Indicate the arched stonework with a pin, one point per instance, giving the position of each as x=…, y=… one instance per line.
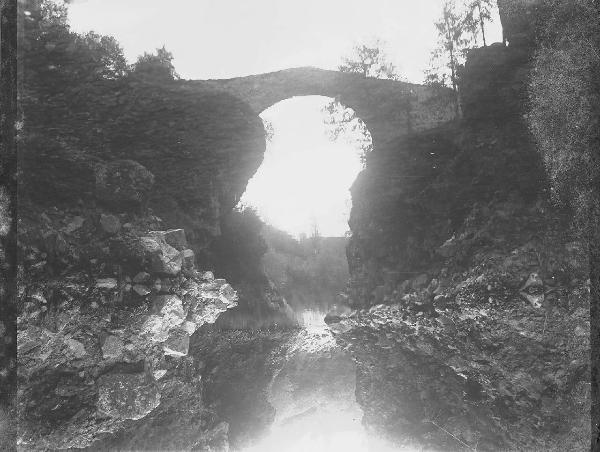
x=381, y=104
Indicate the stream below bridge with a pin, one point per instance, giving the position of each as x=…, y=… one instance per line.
x=284, y=389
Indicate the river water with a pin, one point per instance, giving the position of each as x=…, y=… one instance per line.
x=310, y=389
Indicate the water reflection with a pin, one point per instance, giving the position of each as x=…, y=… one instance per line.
x=311, y=391
x=324, y=433
x=313, y=397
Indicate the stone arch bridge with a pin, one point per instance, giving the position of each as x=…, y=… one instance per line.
x=203, y=139
x=387, y=107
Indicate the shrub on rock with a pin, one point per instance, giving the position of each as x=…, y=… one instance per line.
x=122, y=184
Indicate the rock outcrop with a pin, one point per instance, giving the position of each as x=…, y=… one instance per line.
x=472, y=290
x=104, y=327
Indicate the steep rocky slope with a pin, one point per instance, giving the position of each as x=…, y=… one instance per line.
x=107, y=304
x=477, y=332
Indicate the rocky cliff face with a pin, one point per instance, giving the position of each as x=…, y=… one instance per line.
x=201, y=148
x=108, y=303
x=477, y=332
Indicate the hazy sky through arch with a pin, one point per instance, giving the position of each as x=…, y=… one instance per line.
x=305, y=177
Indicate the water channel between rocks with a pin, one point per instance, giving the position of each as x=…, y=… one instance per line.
x=288, y=390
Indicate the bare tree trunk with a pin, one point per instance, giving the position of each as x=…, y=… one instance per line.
x=452, y=65
x=453, y=78
x=481, y=24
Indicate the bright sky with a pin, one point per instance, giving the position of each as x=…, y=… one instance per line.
x=230, y=38
x=305, y=177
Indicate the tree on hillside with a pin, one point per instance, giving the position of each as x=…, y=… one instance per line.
x=103, y=53
x=155, y=66
x=315, y=238
x=62, y=70
x=451, y=50
x=478, y=13
x=238, y=251
x=54, y=55
x=369, y=61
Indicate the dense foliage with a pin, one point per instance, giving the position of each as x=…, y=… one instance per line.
x=155, y=67
x=459, y=26
x=240, y=247
x=78, y=98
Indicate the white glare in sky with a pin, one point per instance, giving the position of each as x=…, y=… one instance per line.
x=305, y=178
x=231, y=38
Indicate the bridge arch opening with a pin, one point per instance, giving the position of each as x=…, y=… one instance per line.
x=313, y=155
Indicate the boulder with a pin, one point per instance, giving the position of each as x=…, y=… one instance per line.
x=533, y=290
x=157, y=327
x=141, y=277
x=208, y=276
x=174, y=237
x=177, y=344
x=207, y=303
x=188, y=258
x=227, y=294
x=76, y=348
x=164, y=259
x=122, y=184
x=106, y=283
x=159, y=373
x=168, y=305
x=127, y=396
x=112, y=347
x=75, y=224
x=189, y=327
x=168, y=314
x=110, y=224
